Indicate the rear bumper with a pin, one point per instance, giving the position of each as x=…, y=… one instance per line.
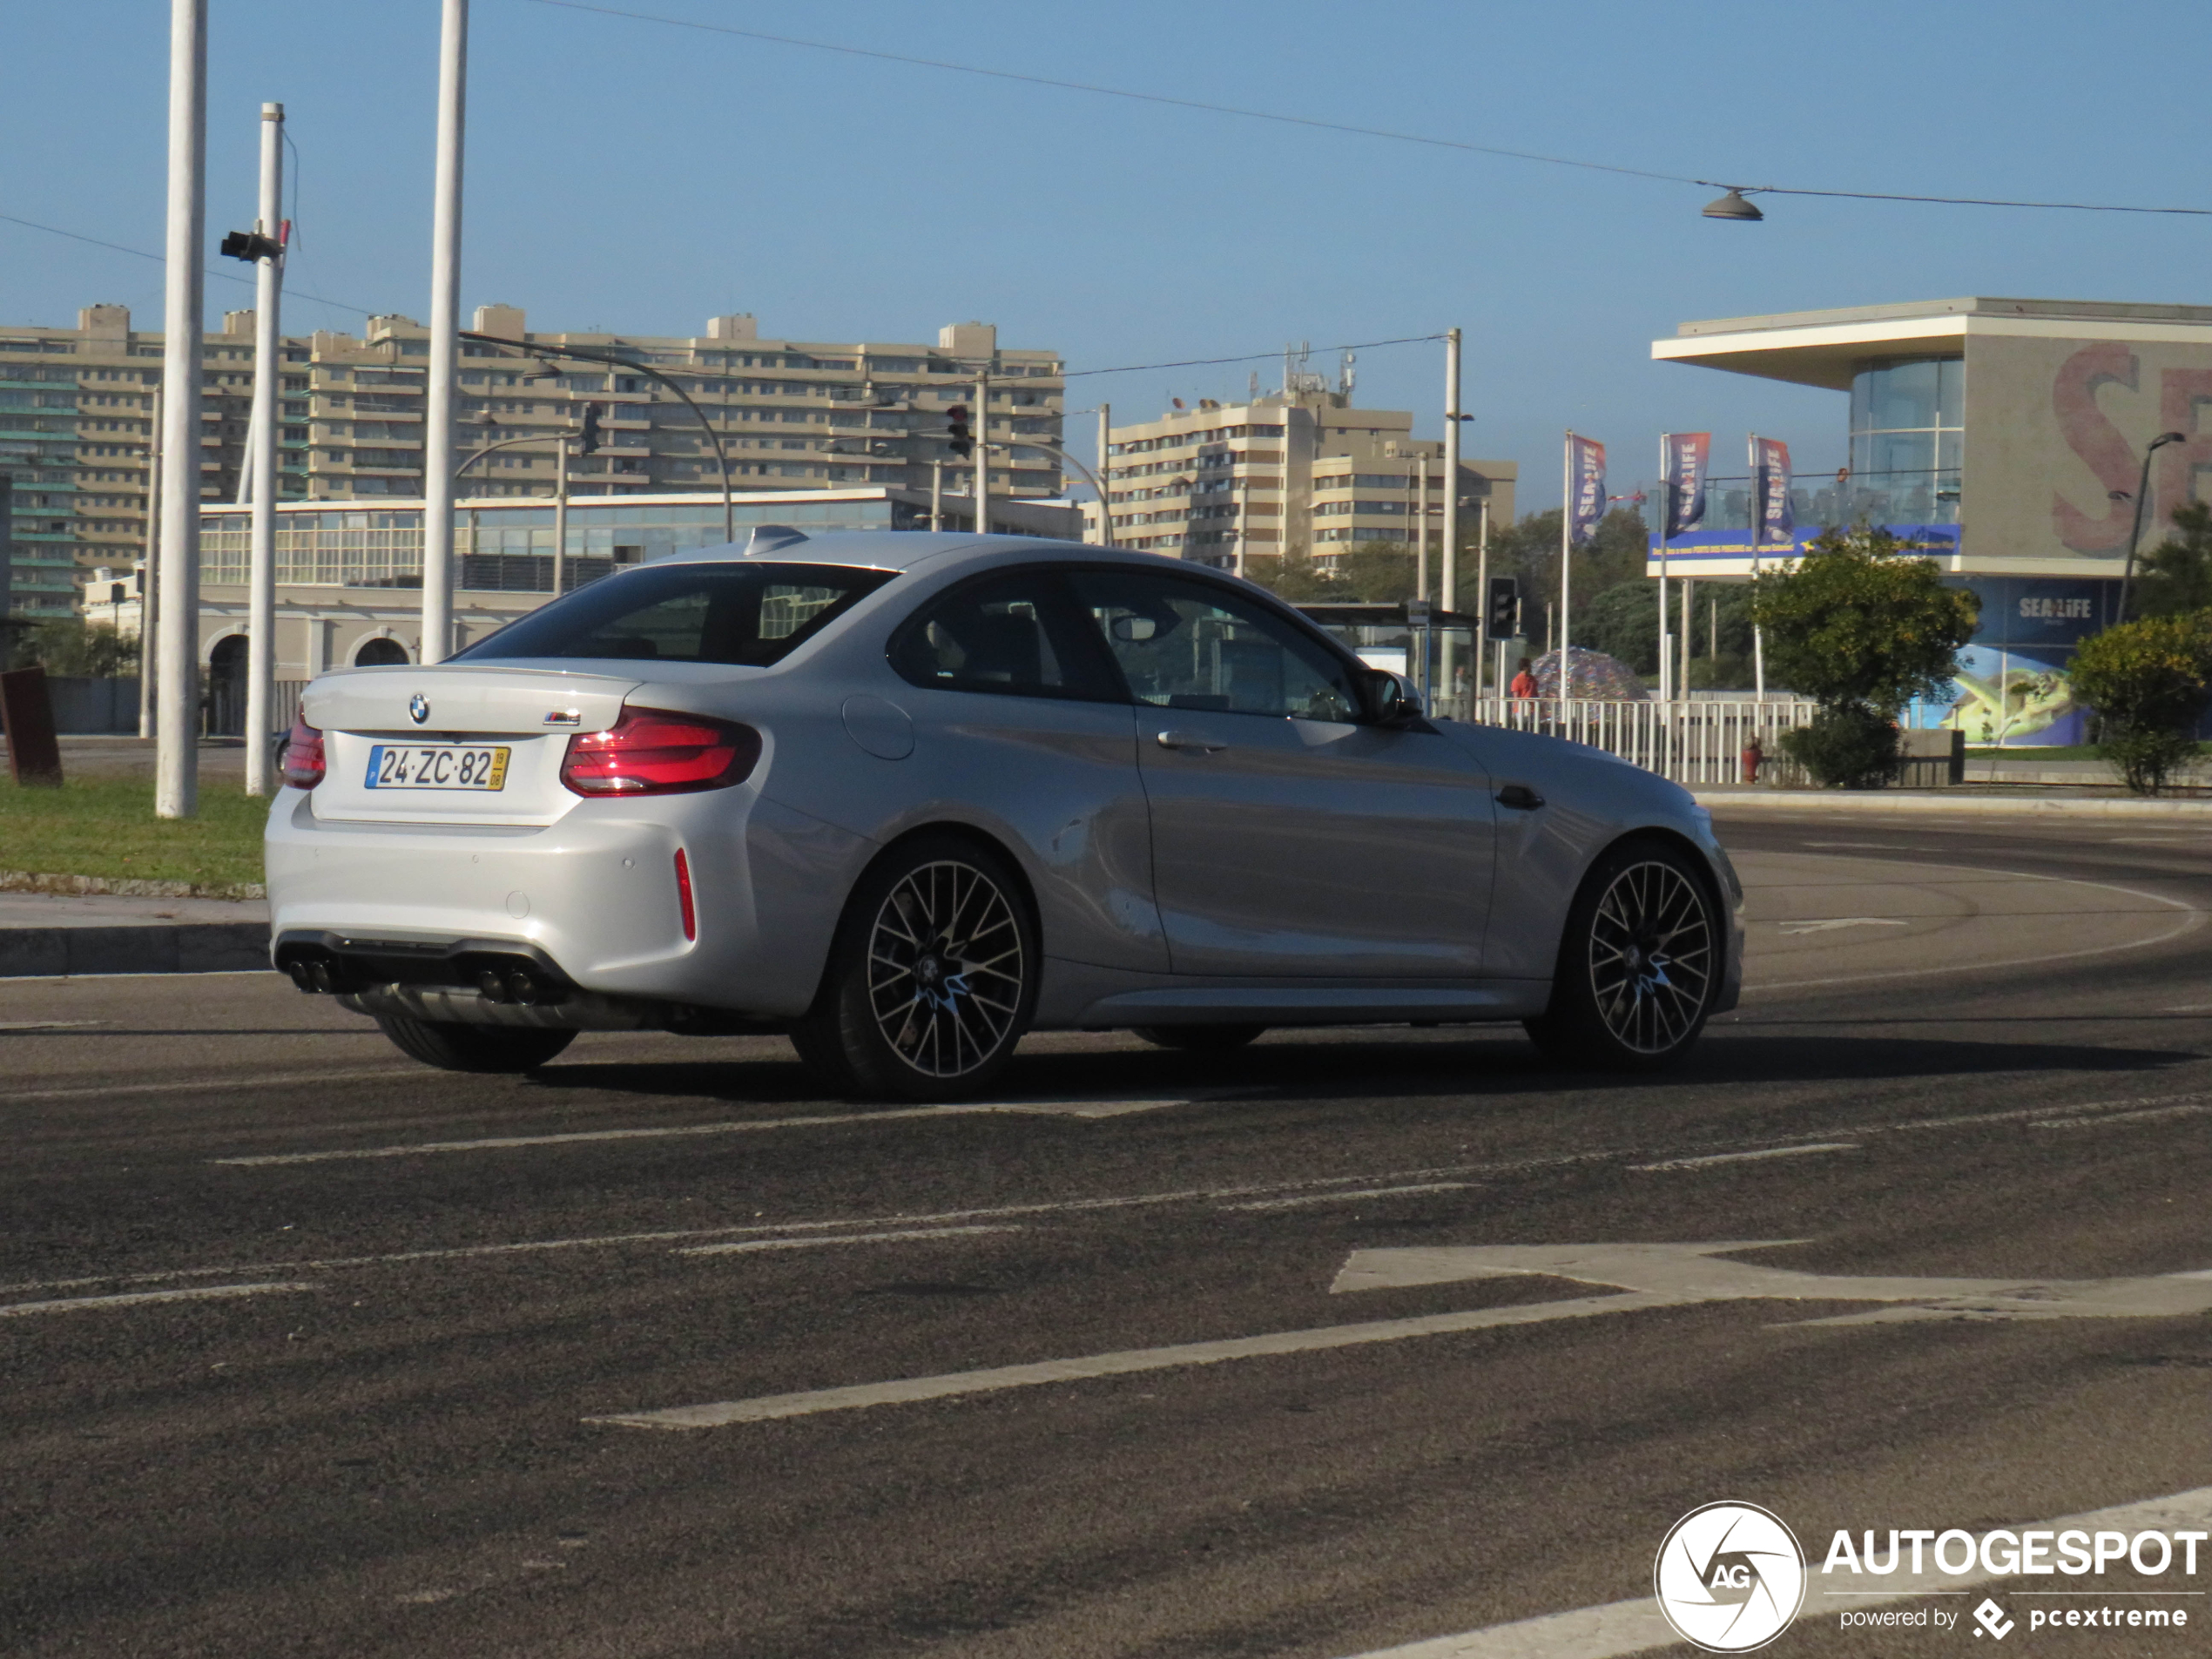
x=591, y=900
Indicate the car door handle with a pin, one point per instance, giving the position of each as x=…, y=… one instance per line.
x=1520, y=798
x=1186, y=740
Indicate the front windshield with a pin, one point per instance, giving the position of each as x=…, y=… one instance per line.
x=751, y=615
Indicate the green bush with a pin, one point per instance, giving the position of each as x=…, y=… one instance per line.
x=70, y=645
x=2150, y=683
x=1862, y=629
x=1847, y=746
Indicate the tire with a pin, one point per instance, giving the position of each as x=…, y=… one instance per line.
x=1198, y=1039
x=451, y=1046
x=931, y=979
x=1639, y=963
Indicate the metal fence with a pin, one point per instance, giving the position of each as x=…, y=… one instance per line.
x=1700, y=741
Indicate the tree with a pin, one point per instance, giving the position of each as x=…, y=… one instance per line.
x=1369, y=573
x=1529, y=552
x=1623, y=621
x=1861, y=629
x=2175, y=577
x=2151, y=681
x=72, y=646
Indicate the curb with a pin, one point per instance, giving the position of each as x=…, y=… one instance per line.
x=183, y=948
x=1822, y=800
x=29, y=881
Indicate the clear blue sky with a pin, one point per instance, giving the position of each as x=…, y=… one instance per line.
x=642, y=178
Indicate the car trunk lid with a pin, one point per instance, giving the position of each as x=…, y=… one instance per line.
x=380, y=725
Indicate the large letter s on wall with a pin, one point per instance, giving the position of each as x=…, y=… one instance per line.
x=2092, y=436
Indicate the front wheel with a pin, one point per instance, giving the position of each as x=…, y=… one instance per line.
x=931, y=981
x=1639, y=963
x=451, y=1046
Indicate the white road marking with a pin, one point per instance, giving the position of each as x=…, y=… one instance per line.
x=2148, y=1115
x=1088, y=1109
x=741, y=1245
x=45, y=1025
x=2192, y=919
x=2189, y=1008
x=134, y=1299
x=1622, y=1628
x=1356, y=1192
x=763, y=1407
x=607, y=1241
x=1865, y=847
x=1746, y=1158
x=1645, y=1276
x=2028, y=1115
x=1832, y=923
x=303, y=1079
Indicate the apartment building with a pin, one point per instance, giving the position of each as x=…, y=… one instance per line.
x=77, y=425
x=1301, y=473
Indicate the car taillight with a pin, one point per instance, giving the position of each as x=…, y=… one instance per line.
x=302, y=762
x=650, y=751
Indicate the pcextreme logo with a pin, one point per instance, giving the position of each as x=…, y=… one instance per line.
x=1729, y=1577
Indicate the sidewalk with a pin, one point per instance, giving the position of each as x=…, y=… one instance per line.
x=1959, y=799
x=44, y=934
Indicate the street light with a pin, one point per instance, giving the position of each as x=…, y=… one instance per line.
x=541, y=351
x=2135, y=535
x=1732, y=205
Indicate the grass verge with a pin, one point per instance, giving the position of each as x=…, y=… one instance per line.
x=105, y=827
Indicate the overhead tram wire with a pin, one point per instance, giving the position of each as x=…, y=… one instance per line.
x=1247, y=357
x=140, y=254
x=1317, y=123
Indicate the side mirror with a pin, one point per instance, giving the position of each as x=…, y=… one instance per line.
x=1134, y=630
x=1390, y=702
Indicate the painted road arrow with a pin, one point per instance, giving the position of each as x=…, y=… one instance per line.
x=1641, y=1276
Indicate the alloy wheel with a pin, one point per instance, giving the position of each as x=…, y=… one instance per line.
x=945, y=968
x=1651, y=956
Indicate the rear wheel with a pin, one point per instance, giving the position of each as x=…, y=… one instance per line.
x=931, y=979
x=451, y=1046
x=1640, y=964
x=1199, y=1039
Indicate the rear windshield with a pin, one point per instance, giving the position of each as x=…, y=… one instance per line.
x=748, y=614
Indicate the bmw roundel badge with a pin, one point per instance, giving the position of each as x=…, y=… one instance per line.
x=418, y=708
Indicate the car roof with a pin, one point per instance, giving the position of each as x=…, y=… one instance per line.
x=874, y=550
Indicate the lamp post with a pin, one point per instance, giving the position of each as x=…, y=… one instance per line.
x=982, y=448
x=2136, y=534
x=541, y=350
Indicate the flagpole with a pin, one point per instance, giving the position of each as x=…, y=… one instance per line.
x=1566, y=547
x=1764, y=478
x=1666, y=511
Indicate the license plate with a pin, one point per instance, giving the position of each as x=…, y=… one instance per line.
x=436, y=765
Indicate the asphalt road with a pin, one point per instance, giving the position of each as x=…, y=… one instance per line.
x=308, y=1351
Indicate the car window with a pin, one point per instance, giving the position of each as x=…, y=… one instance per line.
x=1018, y=635
x=750, y=614
x=1184, y=645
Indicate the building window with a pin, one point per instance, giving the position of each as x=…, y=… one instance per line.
x=1907, y=430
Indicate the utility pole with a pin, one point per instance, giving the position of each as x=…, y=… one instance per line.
x=1105, y=475
x=1451, y=595
x=1482, y=593
x=445, y=337
x=560, y=511
x=176, y=791
x=983, y=453
x=1419, y=504
x=268, y=371
x=1565, y=561
x=937, y=495
x=149, y=581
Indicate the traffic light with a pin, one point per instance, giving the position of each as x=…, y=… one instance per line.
x=249, y=245
x=1504, y=605
x=958, y=433
x=590, y=429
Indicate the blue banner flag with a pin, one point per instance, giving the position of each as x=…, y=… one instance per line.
x=1586, y=488
x=1771, y=517
x=1686, y=455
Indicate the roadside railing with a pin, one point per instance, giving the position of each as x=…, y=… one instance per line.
x=1699, y=741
